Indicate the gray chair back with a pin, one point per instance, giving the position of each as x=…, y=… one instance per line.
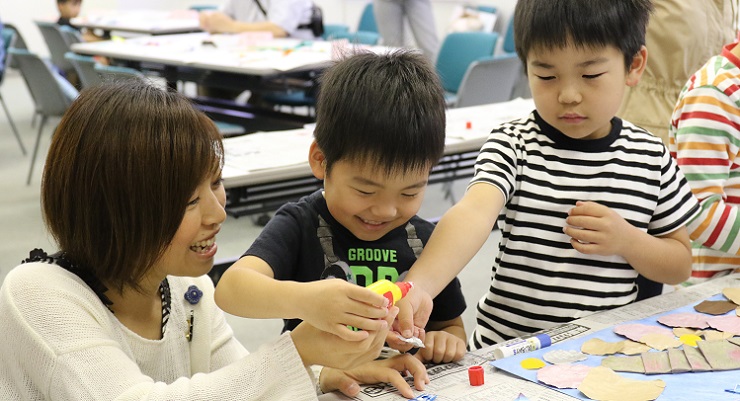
x=85, y=67
x=489, y=80
x=17, y=43
x=56, y=41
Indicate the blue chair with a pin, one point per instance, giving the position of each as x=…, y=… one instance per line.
x=458, y=51
x=332, y=29
x=203, y=7
x=359, y=37
x=367, y=20
x=51, y=97
x=8, y=39
x=508, y=46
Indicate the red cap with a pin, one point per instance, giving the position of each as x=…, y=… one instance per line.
x=468, y=125
x=475, y=373
x=405, y=287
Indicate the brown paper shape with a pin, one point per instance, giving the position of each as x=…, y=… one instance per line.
x=596, y=346
x=656, y=363
x=733, y=294
x=678, y=361
x=630, y=347
x=715, y=307
x=604, y=385
x=624, y=363
x=660, y=341
x=696, y=360
x=715, y=335
x=721, y=355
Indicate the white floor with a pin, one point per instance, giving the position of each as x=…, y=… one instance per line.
x=22, y=229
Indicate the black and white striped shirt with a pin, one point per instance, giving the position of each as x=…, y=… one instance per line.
x=538, y=279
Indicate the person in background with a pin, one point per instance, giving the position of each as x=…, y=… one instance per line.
x=380, y=129
x=585, y=201
x=132, y=195
x=69, y=9
x=681, y=36
x=282, y=18
x=390, y=16
x=705, y=140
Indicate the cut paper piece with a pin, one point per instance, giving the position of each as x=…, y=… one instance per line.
x=564, y=356
x=721, y=355
x=686, y=319
x=563, y=375
x=715, y=307
x=656, y=363
x=696, y=360
x=596, y=346
x=737, y=311
x=690, y=339
x=714, y=335
x=729, y=323
x=660, y=341
x=532, y=363
x=631, y=364
x=521, y=397
x=630, y=347
x=679, y=363
x=604, y=385
x=733, y=294
x=734, y=340
x=680, y=331
x=635, y=331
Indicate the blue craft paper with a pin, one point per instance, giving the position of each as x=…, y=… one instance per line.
x=688, y=386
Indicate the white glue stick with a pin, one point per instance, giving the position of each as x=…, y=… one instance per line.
x=521, y=345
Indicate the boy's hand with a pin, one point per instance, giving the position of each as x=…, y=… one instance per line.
x=332, y=305
x=597, y=229
x=317, y=347
x=393, y=340
x=441, y=347
x=379, y=371
x=413, y=312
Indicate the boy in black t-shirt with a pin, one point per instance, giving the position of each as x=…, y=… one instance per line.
x=380, y=129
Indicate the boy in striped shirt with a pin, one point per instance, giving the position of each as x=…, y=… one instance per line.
x=585, y=201
x=705, y=140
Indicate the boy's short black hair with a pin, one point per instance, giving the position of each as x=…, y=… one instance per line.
x=584, y=23
x=385, y=109
x=67, y=1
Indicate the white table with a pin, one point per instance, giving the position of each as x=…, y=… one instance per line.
x=149, y=22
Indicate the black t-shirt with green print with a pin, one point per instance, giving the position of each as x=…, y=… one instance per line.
x=303, y=238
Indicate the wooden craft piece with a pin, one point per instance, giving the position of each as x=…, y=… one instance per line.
x=635, y=331
x=733, y=294
x=680, y=331
x=630, y=347
x=656, y=363
x=690, y=339
x=714, y=335
x=721, y=355
x=684, y=319
x=604, y=385
x=660, y=341
x=564, y=356
x=624, y=363
x=563, y=375
x=678, y=361
x=696, y=360
x=728, y=324
x=715, y=307
x=596, y=346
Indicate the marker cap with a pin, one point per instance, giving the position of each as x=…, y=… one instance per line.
x=476, y=375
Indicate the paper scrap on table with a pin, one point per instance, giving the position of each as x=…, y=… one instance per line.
x=660, y=341
x=714, y=335
x=633, y=347
x=715, y=307
x=632, y=364
x=728, y=324
x=532, y=363
x=733, y=294
x=604, y=385
x=564, y=356
x=563, y=376
x=597, y=346
x=635, y=331
x=415, y=341
x=684, y=319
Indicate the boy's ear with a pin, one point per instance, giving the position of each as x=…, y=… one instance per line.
x=317, y=161
x=639, y=62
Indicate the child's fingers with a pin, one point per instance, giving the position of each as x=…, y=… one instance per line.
x=347, y=334
x=362, y=294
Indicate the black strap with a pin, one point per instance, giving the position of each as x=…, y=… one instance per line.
x=261, y=7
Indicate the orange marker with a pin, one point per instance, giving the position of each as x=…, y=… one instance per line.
x=392, y=291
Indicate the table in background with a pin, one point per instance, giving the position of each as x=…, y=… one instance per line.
x=450, y=381
x=264, y=170
x=148, y=22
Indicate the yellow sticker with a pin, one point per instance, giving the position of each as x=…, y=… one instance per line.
x=532, y=363
x=690, y=339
